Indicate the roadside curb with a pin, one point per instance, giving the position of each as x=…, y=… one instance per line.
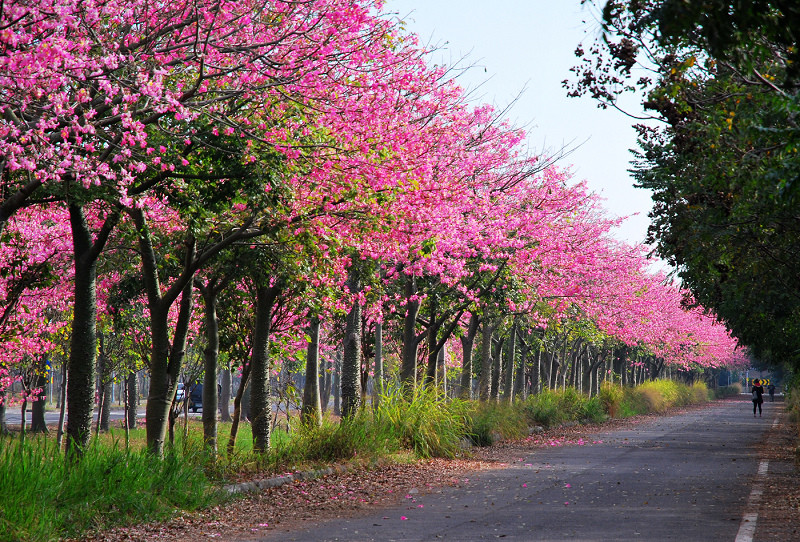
x=277, y=481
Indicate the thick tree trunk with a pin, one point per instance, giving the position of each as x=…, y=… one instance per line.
x=225, y=395
x=311, y=411
x=351, y=361
x=166, y=358
x=83, y=346
x=408, y=362
x=260, y=390
x=210, y=366
x=38, y=424
x=467, y=347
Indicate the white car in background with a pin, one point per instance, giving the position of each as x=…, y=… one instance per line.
x=180, y=393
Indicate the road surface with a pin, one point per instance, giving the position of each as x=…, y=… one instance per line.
x=689, y=477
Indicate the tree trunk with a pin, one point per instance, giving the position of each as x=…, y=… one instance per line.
x=104, y=370
x=38, y=424
x=210, y=292
x=130, y=400
x=485, y=378
x=311, y=411
x=260, y=390
x=519, y=378
x=377, y=388
x=62, y=407
x=225, y=395
x=432, y=335
x=3, y=422
x=508, y=385
x=408, y=366
x=497, y=364
x=337, y=385
x=83, y=346
x=326, y=386
x=351, y=357
x=467, y=346
x=237, y=409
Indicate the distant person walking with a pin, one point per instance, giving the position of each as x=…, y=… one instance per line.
x=757, y=390
x=771, y=390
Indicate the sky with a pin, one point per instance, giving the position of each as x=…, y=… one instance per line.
x=527, y=46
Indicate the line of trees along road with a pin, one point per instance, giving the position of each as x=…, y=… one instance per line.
x=218, y=177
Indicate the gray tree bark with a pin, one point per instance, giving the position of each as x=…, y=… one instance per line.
x=311, y=411
x=260, y=390
x=467, y=347
x=351, y=357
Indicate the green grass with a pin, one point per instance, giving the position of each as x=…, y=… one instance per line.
x=44, y=498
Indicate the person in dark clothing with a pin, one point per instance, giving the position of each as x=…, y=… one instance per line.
x=771, y=391
x=758, y=396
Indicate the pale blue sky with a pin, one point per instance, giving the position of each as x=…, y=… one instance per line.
x=530, y=44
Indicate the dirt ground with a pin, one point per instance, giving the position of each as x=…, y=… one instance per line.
x=349, y=492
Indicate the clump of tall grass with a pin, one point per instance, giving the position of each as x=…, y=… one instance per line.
x=489, y=422
x=554, y=407
x=46, y=498
x=424, y=420
x=611, y=397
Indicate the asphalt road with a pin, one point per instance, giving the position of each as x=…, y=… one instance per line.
x=686, y=477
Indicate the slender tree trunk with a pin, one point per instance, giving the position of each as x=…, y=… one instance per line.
x=225, y=395
x=519, y=380
x=408, y=367
x=497, y=364
x=485, y=378
x=132, y=393
x=377, y=388
x=432, y=336
x=326, y=386
x=62, y=407
x=467, y=346
x=104, y=370
x=260, y=392
x=508, y=385
x=337, y=388
x=3, y=421
x=237, y=409
x=351, y=357
x=311, y=412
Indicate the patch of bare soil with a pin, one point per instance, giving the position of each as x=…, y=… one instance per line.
x=357, y=490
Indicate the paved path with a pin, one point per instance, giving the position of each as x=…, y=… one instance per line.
x=686, y=477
